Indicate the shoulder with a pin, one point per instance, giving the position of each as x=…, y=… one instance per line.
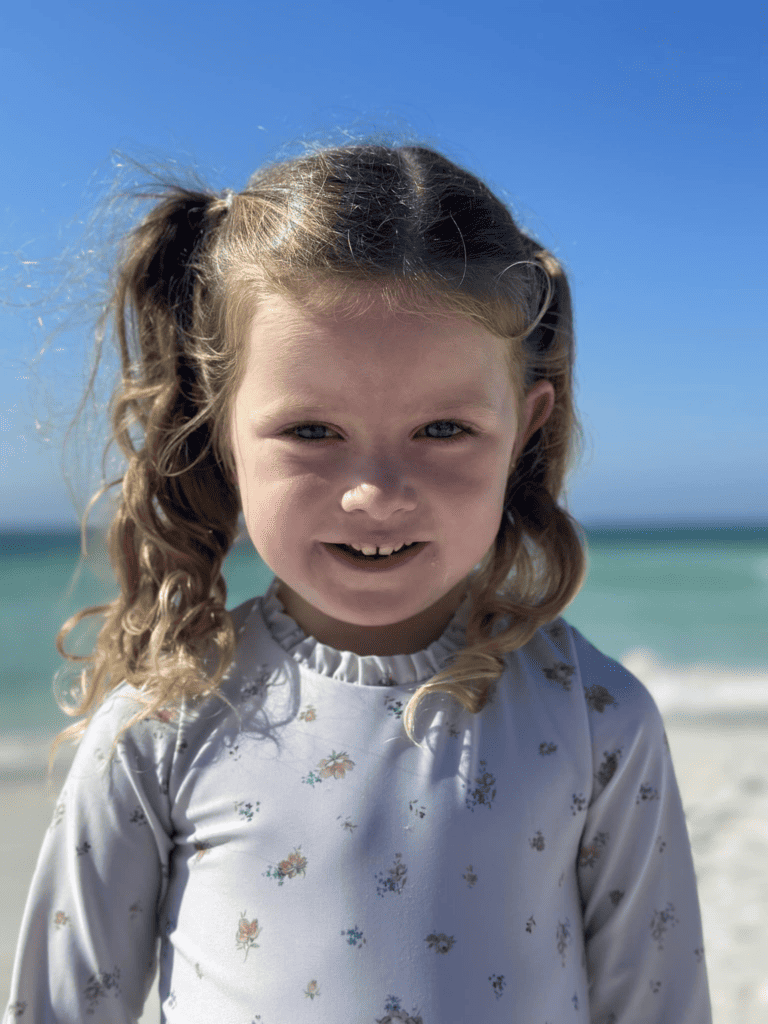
x=156, y=740
x=616, y=701
x=117, y=733
x=582, y=681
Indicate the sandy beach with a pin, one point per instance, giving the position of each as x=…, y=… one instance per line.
x=722, y=770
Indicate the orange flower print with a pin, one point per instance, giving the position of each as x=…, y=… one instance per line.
x=336, y=765
x=60, y=919
x=312, y=990
x=309, y=714
x=247, y=933
x=294, y=864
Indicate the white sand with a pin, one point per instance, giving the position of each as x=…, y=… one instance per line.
x=722, y=770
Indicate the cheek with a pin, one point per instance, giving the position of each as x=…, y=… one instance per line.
x=479, y=481
x=278, y=504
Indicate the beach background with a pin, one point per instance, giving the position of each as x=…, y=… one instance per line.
x=685, y=609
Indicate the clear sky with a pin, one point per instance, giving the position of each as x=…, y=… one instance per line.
x=629, y=137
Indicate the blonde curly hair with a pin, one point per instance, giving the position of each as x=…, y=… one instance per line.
x=330, y=228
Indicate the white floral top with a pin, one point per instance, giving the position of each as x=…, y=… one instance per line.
x=303, y=861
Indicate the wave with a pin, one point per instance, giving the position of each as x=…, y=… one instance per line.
x=701, y=694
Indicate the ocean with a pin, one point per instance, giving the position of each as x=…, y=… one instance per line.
x=686, y=609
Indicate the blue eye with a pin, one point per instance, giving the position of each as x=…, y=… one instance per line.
x=450, y=423
x=463, y=431
x=309, y=426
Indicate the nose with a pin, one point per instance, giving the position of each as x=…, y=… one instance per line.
x=380, y=500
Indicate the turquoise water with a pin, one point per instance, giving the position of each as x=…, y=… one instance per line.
x=692, y=596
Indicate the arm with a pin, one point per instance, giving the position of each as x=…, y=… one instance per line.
x=642, y=922
x=87, y=948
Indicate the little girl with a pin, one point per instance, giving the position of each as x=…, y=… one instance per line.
x=398, y=786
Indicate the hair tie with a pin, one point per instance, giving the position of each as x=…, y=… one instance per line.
x=228, y=197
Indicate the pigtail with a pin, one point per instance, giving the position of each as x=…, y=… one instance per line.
x=177, y=513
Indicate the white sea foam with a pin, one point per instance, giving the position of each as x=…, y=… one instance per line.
x=705, y=693
x=24, y=757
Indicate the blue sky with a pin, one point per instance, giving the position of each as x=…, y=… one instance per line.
x=629, y=137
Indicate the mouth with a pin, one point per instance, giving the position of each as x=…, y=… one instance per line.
x=350, y=556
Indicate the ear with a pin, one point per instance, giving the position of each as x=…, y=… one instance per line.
x=537, y=408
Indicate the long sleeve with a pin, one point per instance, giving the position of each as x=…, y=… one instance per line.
x=642, y=922
x=87, y=948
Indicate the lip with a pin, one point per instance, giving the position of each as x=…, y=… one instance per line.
x=376, y=543
x=393, y=562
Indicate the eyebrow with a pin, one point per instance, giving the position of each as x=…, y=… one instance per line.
x=304, y=406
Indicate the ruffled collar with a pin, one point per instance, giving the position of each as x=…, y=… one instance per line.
x=363, y=670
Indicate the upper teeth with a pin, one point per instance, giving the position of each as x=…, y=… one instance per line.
x=377, y=551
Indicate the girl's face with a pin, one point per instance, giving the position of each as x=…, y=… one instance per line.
x=380, y=430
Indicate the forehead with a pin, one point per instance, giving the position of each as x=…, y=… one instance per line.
x=285, y=336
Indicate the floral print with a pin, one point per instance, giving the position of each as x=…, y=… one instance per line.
x=661, y=921
x=598, y=698
x=294, y=864
x=498, y=984
x=354, y=937
x=590, y=854
x=99, y=987
x=309, y=714
x=560, y=673
x=564, y=938
x=336, y=766
x=442, y=943
x=483, y=793
x=497, y=853
x=647, y=792
x=394, y=880
x=312, y=990
x=608, y=767
x=537, y=841
x=247, y=933
x=394, y=707
x=395, y=1014
x=246, y=809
